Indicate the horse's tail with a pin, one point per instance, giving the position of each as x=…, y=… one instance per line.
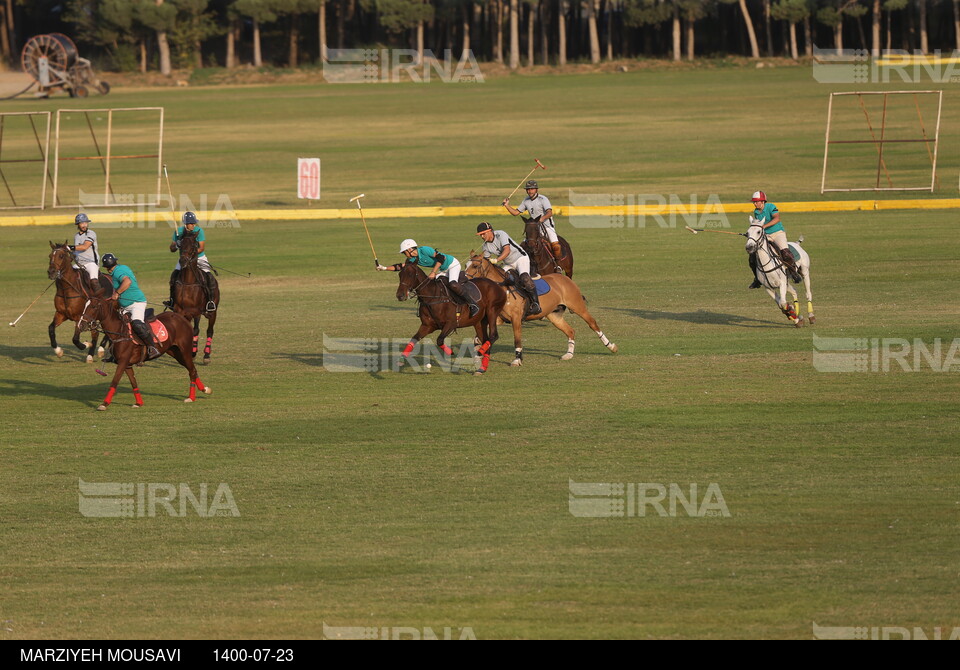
x=800, y=241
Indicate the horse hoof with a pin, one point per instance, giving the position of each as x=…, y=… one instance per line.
x=87, y=345
x=59, y=352
x=207, y=390
x=102, y=408
x=206, y=360
x=612, y=347
x=89, y=358
x=100, y=352
x=516, y=363
x=188, y=400
x=135, y=406
x=812, y=319
x=478, y=373
x=566, y=357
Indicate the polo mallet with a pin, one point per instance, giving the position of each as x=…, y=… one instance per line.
x=239, y=274
x=711, y=230
x=173, y=203
x=538, y=165
x=376, y=261
x=13, y=324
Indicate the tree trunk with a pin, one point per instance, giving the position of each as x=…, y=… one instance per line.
x=754, y=49
x=562, y=34
x=142, y=46
x=875, y=30
x=609, y=15
x=4, y=40
x=592, y=29
x=794, y=52
x=10, y=33
x=257, y=55
x=465, y=11
x=322, y=30
x=419, y=44
x=531, y=20
x=341, y=11
x=293, y=56
x=544, y=23
x=676, y=33
x=498, y=56
x=807, y=37
x=956, y=23
x=690, y=37
x=164, y=47
x=924, y=40
x=514, y=34
x=767, y=28
x=231, y=44
x=838, y=36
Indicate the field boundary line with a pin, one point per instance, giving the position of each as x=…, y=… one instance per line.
x=132, y=220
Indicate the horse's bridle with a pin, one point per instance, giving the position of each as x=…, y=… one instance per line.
x=778, y=264
x=61, y=276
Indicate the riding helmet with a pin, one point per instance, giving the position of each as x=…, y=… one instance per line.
x=483, y=227
x=407, y=244
x=109, y=261
x=81, y=218
x=758, y=196
x=189, y=217
x=532, y=184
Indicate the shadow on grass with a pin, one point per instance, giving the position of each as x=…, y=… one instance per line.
x=700, y=316
x=88, y=394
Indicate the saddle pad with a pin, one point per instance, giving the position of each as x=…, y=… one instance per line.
x=542, y=286
x=793, y=250
x=159, y=331
x=471, y=289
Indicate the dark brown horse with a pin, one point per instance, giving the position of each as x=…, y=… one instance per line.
x=73, y=290
x=438, y=311
x=191, y=294
x=564, y=295
x=102, y=314
x=536, y=244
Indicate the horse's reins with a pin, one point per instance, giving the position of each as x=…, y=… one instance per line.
x=61, y=276
x=778, y=263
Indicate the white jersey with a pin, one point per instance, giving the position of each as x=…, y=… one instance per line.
x=90, y=255
x=537, y=207
x=500, y=242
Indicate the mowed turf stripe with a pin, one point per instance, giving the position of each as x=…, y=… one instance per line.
x=431, y=212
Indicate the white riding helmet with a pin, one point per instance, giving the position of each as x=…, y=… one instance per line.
x=407, y=244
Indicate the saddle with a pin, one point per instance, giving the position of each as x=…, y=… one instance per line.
x=159, y=330
x=468, y=287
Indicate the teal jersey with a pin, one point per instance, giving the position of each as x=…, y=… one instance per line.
x=426, y=257
x=133, y=293
x=177, y=236
x=765, y=215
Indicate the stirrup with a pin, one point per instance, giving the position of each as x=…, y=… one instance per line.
x=756, y=284
x=211, y=306
x=168, y=303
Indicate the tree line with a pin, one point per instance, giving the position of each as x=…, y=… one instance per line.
x=161, y=35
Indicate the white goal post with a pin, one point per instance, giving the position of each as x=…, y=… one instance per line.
x=879, y=139
x=104, y=152
x=26, y=147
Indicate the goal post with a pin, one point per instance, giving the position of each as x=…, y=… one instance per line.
x=888, y=140
x=115, y=147
x=27, y=147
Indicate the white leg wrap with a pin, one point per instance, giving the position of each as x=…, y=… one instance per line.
x=603, y=338
x=570, y=346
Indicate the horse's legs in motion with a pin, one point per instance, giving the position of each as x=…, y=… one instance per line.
x=187, y=362
x=58, y=318
x=517, y=323
x=422, y=332
x=122, y=366
x=82, y=346
x=196, y=334
x=806, y=284
x=137, y=398
x=579, y=307
x=556, y=318
x=211, y=320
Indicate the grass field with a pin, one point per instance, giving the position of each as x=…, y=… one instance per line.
x=441, y=500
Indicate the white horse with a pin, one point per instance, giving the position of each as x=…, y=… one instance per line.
x=773, y=275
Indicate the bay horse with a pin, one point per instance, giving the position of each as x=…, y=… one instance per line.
x=438, y=311
x=564, y=294
x=102, y=314
x=536, y=244
x=772, y=274
x=190, y=295
x=73, y=290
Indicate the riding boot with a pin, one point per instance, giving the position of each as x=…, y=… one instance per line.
x=145, y=333
x=174, y=276
x=460, y=291
x=557, y=251
x=753, y=270
x=211, y=305
x=526, y=283
x=791, y=264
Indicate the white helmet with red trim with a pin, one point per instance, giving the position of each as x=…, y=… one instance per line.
x=759, y=196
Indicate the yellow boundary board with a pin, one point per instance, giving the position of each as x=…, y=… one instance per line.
x=482, y=212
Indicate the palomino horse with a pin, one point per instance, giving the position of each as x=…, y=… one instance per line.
x=190, y=296
x=537, y=245
x=438, y=311
x=772, y=274
x=102, y=314
x=563, y=294
x=73, y=290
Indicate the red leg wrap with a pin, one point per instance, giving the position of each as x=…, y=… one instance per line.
x=137, y=397
x=484, y=348
x=408, y=349
x=447, y=350
x=109, y=398
x=206, y=349
x=485, y=363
